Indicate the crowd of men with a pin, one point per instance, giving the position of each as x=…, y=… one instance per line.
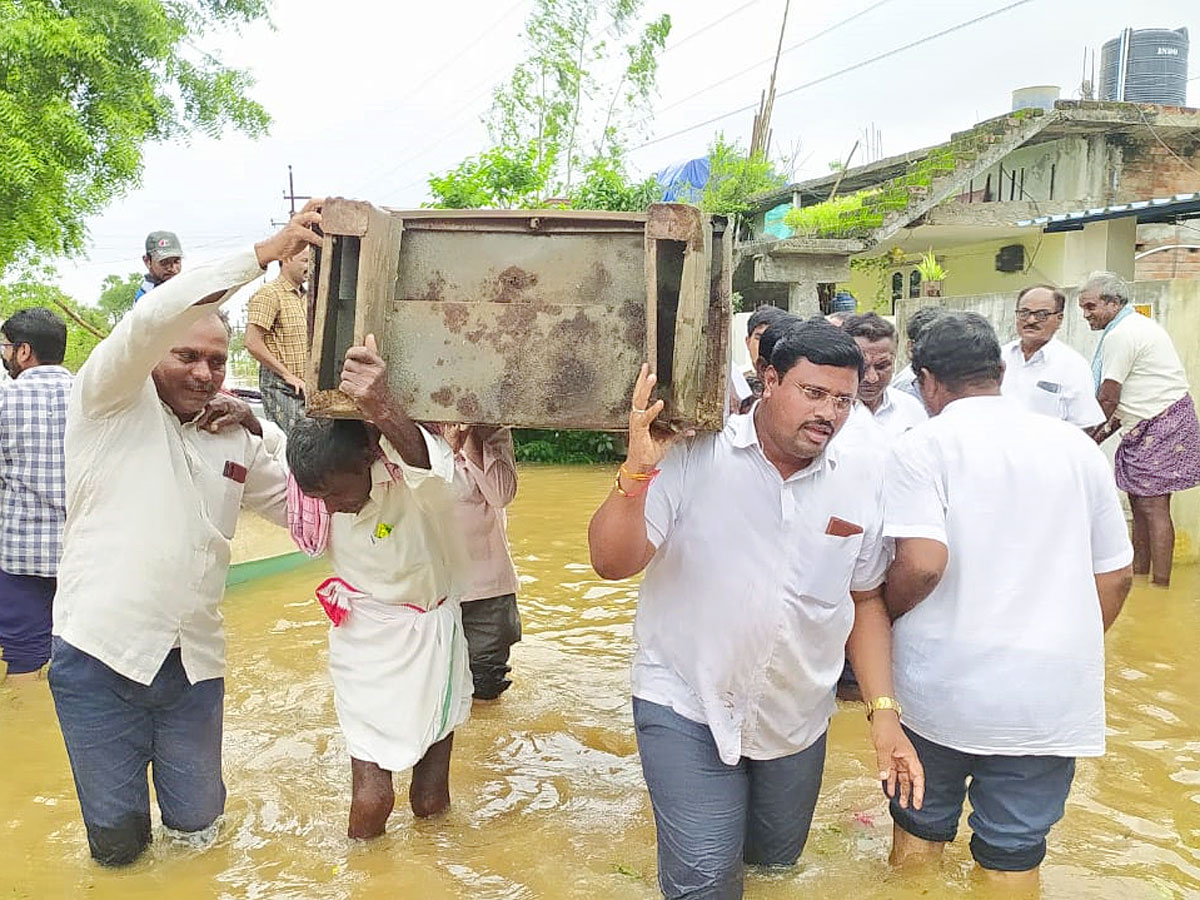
x=876, y=515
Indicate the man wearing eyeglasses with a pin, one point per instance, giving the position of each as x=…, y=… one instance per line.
x=1041, y=372
x=740, y=641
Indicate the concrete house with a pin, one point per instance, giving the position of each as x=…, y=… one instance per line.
x=1034, y=195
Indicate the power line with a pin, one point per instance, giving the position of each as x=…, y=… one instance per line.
x=441, y=139
x=788, y=49
x=710, y=25
x=831, y=75
x=485, y=34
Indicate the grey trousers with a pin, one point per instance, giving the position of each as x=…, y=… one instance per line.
x=491, y=626
x=712, y=817
x=282, y=405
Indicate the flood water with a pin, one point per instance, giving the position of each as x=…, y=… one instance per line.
x=548, y=799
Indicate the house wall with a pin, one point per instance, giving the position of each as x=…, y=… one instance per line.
x=1174, y=304
x=1178, y=263
x=971, y=269
x=1063, y=169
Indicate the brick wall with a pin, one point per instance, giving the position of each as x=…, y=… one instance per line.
x=1149, y=170
x=1168, y=263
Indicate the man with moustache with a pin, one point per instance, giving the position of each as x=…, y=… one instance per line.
x=1041, y=372
x=739, y=644
x=154, y=487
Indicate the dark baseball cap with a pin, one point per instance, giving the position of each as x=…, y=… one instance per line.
x=162, y=245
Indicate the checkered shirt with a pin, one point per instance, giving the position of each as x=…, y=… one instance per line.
x=33, y=485
x=278, y=308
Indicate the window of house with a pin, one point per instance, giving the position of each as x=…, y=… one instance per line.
x=897, y=285
x=914, y=283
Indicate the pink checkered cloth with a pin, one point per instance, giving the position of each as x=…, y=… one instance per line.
x=308, y=520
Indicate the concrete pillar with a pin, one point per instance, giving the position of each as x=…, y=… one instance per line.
x=803, y=299
x=1100, y=247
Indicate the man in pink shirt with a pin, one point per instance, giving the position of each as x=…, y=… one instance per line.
x=491, y=621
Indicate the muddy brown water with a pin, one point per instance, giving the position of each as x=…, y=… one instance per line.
x=548, y=795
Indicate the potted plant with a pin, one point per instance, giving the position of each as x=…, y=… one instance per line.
x=932, y=275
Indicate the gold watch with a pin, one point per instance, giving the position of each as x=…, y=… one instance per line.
x=882, y=703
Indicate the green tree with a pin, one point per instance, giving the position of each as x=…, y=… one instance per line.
x=735, y=179
x=84, y=84
x=81, y=338
x=116, y=296
x=556, y=118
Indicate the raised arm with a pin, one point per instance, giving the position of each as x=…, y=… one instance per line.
x=364, y=380
x=617, y=537
x=117, y=368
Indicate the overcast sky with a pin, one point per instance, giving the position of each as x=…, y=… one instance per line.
x=369, y=97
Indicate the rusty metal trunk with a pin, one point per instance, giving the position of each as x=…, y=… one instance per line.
x=534, y=318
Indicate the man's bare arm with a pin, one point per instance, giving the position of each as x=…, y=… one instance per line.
x=915, y=572
x=1112, y=588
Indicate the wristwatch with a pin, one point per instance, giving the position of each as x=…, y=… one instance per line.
x=882, y=703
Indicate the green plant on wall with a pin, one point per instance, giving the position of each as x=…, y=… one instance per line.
x=859, y=214
x=930, y=268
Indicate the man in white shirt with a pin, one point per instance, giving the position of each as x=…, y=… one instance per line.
x=740, y=641
x=894, y=410
x=1143, y=389
x=905, y=380
x=397, y=653
x=1041, y=372
x=999, y=666
x=153, y=495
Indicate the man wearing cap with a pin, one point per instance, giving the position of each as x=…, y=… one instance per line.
x=163, y=258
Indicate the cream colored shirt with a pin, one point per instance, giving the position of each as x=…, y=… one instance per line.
x=402, y=547
x=489, y=568
x=1139, y=356
x=152, y=502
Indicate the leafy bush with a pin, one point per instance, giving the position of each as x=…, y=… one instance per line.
x=564, y=447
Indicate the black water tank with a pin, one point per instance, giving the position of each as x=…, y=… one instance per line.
x=1155, y=67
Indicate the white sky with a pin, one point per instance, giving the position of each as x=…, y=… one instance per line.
x=369, y=97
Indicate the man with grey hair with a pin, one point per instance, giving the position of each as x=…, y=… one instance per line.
x=1143, y=390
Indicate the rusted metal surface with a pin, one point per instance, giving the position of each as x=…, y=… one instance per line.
x=535, y=318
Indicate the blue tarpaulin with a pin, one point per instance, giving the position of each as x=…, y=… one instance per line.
x=684, y=182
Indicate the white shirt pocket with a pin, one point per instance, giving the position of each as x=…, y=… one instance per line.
x=826, y=573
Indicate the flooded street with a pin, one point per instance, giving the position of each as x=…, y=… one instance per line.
x=548, y=799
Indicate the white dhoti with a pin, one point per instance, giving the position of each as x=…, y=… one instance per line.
x=401, y=679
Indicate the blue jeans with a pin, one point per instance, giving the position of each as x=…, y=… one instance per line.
x=1015, y=800
x=712, y=817
x=115, y=728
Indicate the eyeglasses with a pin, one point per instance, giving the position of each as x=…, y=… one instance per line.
x=841, y=402
x=1040, y=315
